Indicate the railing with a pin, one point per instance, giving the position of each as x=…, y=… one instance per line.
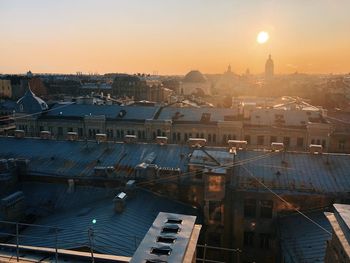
x=228, y=254
x=11, y=234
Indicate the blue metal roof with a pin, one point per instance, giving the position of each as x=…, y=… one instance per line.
x=295, y=172
x=78, y=159
x=195, y=114
x=110, y=111
x=303, y=241
x=73, y=214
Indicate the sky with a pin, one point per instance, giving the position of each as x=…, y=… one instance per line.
x=173, y=36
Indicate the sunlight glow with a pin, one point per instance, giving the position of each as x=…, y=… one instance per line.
x=262, y=37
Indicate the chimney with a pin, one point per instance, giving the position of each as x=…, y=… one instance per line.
x=71, y=186
x=130, y=139
x=161, y=140
x=120, y=202
x=45, y=135
x=239, y=145
x=101, y=137
x=19, y=134
x=197, y=142
x=72, y=136
x=315, y=149
x=277, y=146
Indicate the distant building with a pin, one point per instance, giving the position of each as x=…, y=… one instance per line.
x=194, y=83
x=5, y=88
x=269, y=69
x=136, y=87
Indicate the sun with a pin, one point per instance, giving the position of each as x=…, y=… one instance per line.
x=262, y=37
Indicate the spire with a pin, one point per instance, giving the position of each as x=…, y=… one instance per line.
x=229, y=68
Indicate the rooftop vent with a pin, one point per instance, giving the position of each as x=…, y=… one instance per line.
x=19, y=134
x=130, y=138
x=315, y=149
x=173, y=228
x=119, y=202
x=101, y=137
x=166, y=239
x=72, y=136
x=277, y=146
x=122, y=113
x=155, y=261
x=161, y=140
x=174, y=221
x=239, y=145
x=45, y=135
x=197, y=142
x=164, y=250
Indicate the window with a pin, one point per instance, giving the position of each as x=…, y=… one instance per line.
x=300, y=142
x=178, y=137
x=286, y=141
x=60, y=131
x=318, y=141
x=174, y=136
x=215, y=183
x=260, y=140
x=158, y=132
x=247, y=138
x=249, y=208
x=139, y=134
x=215, y=213
x=341, y=144
x=41, y=128
x=273, y=139
x=248, y=239
x=224, y=139
x=70, y=129
x=266, y=208
x=324, y=143
x=265, y=241
x=186, y=137
x=313, y=141
x=209, y=137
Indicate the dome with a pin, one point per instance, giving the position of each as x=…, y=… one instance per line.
x=194, y=76
x=30, y=103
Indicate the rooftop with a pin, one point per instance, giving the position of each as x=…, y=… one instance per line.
x=302, y=240
x=74, y=213
x=79, y=158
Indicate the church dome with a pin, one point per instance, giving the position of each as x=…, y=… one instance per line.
x=194, y=76
x=30, y=103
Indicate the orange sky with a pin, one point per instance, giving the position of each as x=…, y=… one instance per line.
x=173, y=37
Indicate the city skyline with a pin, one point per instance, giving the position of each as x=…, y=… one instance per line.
x=174, y=37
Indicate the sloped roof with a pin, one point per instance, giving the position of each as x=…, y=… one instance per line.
x=30, y=103
x=110, y=111
x=73, y=214
x=78, y=159
x=302, y=240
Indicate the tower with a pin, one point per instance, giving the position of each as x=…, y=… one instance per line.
x=269, y=68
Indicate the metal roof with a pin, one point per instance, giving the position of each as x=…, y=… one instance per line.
x=79, y=158
x=302, y=240
x=73, y=214
x=195, y=114
x=110, y=111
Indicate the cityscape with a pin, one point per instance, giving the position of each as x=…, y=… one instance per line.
x=175, y=131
